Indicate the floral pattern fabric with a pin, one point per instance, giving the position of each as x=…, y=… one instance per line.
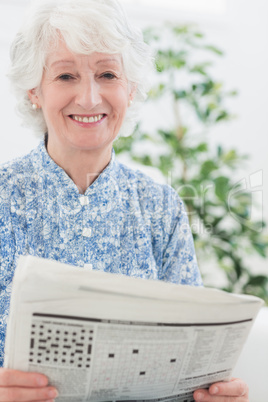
x=125, y=223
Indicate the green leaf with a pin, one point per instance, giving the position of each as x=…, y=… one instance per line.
x=200, y=68
x=180, y=29
x=214, y=49
x=222, y=188
x=207, y=167
x=179, y=94
x=223, y=115
x=258, y=280
x=232, y=93
x=199, y=35
x=220, y=151
x=260, y=248
x=123, y=144
x=157, y=91
x=169, y=59
x=230, y=156
x=203, y=147
x=238, y=265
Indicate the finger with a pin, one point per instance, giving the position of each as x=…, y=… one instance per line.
x=27, y=394
x=47, y=400
x=235, y=390
x=10, y=378
x=204, y=396
x=201, y=395
x=234, y=387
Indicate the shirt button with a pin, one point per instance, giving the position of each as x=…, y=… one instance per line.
x=84, y=200
x=86, y=232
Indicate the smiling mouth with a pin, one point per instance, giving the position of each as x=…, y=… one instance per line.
x=87, y=119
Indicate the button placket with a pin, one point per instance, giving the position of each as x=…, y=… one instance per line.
x=86, y=231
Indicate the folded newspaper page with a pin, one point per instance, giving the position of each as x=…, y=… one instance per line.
x=106, y=337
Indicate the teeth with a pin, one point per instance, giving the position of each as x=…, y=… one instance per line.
x=92, y=119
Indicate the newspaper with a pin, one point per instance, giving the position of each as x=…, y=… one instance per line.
x=106, y=337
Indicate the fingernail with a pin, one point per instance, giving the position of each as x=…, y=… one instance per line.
x=214, y=390
x=199, y=396
x=53, y=393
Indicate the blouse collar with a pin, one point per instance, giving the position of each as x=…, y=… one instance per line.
x=105, y=187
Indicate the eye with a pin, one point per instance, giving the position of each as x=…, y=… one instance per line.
x=109, y=76
x=65, y=77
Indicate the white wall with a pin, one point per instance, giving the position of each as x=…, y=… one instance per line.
x=14, y=140
x=252, y=364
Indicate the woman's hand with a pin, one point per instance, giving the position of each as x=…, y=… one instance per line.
x=233, y=391
x=21, y=386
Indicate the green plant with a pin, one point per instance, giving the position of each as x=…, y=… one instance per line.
x=218, y=207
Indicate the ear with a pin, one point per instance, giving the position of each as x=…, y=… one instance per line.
x=32, y=93
x=133, y=90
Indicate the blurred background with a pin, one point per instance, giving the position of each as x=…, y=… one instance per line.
x=204, y=130
x=240, y=125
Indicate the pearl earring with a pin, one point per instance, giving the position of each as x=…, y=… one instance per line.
x=34, y=106
x=130, y=102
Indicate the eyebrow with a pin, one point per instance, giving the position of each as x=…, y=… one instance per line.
x=107, y=61
x=61, y=62
x=101, y=61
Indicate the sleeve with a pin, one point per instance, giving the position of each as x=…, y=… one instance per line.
x=7, y=257
x=179, y=263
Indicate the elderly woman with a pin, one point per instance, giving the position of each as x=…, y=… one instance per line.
x=80, y=71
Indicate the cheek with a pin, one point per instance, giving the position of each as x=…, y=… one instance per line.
x=119, y=98
x=121, y=104
x=54, y=100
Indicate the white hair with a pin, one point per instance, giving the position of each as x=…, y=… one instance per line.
x=86, y=26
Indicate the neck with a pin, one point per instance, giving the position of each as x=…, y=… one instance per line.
x=82, y=166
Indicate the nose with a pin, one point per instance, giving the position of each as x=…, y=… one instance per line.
x=88, y=95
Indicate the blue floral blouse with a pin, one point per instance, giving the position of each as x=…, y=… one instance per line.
x=124, y=223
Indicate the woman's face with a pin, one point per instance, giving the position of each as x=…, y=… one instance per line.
x=84, y=99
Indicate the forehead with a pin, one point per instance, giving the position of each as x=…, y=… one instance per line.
x=63, y=56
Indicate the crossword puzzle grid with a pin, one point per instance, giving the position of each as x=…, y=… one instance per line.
x=124, y=357
x=65, y=345
x=130, y=362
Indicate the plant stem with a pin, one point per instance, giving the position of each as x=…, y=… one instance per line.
x=180, y=135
